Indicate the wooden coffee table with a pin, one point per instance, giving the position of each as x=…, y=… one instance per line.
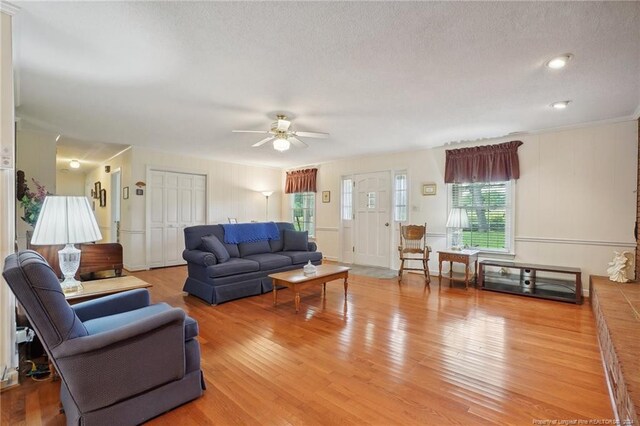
x=98, y=288
x=296, y=279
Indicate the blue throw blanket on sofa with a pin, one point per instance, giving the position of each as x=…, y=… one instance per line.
x=235, y=233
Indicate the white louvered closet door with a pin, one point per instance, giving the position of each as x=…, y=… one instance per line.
x=177, y=200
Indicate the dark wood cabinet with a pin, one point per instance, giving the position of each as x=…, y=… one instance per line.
x=542, y=281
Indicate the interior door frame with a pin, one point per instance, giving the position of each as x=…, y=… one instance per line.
x=354, y=176
x=115, y=193
x=147, y=201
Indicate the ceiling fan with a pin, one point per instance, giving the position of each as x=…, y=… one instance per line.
x=283, y=136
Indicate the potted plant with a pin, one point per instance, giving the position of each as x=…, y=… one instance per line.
x=31, y=201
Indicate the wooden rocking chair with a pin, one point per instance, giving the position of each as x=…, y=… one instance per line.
x=413, y=246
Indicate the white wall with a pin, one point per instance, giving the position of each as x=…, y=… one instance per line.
x=8, y=353
x=233, y=190
x=575, y=199
x=70, y=182
x=36, y=156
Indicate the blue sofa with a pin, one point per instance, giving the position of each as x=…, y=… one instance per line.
x=215, y=278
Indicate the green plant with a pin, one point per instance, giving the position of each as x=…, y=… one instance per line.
x=30, y=201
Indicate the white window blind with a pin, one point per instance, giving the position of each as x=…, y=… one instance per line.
x=489, y=208
x=400, y=197
x=347, y=199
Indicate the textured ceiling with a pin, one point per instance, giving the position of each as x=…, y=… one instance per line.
x=379, y=77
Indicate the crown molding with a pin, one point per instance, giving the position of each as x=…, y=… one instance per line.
x=9, y=8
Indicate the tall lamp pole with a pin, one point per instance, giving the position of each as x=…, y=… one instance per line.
x=267, y=194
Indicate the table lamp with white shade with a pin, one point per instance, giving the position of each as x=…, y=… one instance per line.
x=66, y=220
x=457, y=220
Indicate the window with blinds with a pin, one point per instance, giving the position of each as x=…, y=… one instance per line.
x=489, y=208
x=400, y=197
x=347, y=199
x=303, y=211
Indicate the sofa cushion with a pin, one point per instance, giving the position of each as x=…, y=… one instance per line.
x=232, y=267
x=269, y=261
x=296, y=240
x=212, y=244
x=256, y=247
x=110, y=322
x=277, y=245
x=298, y=257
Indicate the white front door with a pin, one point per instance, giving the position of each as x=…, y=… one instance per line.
x=372, y=219
x=177, y=200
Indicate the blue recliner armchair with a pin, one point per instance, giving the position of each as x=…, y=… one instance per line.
x=121, y=360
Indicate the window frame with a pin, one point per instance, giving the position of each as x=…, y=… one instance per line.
x=309, y=226
x=510, y=216
x=395, y=196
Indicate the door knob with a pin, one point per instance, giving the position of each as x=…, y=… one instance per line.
x=386, y=224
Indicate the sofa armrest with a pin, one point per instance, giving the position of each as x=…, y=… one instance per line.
x=199, y=257
x=112, y=304
x=312, y=246
x=104, y=368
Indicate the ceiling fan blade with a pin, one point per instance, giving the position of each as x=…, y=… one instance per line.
x=262, y=142
x=283, y=125
x=250, y=131
x=312, y=135
x=297, y=142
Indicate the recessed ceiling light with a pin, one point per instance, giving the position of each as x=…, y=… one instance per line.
x=74, y=164
x=560, y=104
x=559, y=61
x=58, y=138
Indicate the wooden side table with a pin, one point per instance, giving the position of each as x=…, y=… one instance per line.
x=460, y=256
x=98, y=288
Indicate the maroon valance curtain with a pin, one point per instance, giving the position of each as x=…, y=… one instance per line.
x=490, y=163
x=301, y=181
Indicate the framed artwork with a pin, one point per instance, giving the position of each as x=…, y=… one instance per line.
x=93, y=193
x=103, y=198
x=97, y=186
x=125, y=193
x=429, y=189
x=139, y=191
x=93, y=206
x=233, y=220
x=326, y=196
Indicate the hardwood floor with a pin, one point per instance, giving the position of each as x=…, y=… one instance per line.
x=391, y=354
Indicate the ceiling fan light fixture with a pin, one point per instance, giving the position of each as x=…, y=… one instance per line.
x=281, y=144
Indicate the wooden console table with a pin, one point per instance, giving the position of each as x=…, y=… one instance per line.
x=460, y=256
x=616, y=307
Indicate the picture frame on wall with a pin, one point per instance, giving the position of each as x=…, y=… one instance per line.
x=125, y=193
x=93, y=193
x=326, y=196
x=97, y=186
x=429, y=189
x=103, y=198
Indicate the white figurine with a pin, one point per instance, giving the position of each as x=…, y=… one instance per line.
x=618, y=267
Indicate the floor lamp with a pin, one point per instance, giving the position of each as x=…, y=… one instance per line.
x=267, y=194
x=68, y=221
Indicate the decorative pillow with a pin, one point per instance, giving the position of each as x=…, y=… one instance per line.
x=212, y=244
x=296, y=240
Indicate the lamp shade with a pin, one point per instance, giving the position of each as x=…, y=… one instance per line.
x=65, y=220
x=267, y=193
x=458, y=218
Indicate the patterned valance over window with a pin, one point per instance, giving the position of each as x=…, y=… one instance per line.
x=301, y=181
x=490, y=163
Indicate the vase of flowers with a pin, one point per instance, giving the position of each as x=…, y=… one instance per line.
x=31, y=201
